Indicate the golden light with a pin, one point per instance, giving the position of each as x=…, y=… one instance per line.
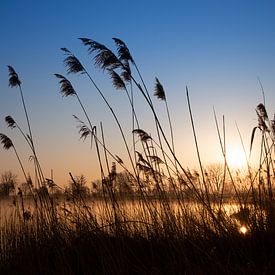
x=243, y=230
x=235, y=157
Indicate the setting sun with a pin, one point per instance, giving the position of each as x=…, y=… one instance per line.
x=235, y=157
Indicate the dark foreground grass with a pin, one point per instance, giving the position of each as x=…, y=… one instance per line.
x=99, y=253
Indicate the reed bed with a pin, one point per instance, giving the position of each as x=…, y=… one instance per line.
x=155, y=217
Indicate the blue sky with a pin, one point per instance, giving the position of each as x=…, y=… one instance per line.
x=217, y=48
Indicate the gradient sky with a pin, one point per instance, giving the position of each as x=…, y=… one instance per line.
x=217, y=48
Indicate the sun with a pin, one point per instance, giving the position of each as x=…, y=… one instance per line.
x=235, y=157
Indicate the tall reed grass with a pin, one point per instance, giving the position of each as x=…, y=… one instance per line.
x=174, y=221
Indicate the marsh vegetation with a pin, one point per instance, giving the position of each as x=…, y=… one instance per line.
x=154, y=216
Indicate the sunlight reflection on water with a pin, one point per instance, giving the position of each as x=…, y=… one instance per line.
x=128, y=210
x=243, y=230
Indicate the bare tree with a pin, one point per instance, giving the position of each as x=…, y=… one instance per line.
x=77, y=186
x=7, y=183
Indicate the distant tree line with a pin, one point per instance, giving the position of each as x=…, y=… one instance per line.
x=124, y=184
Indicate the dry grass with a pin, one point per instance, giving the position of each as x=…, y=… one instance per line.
x=156, y=217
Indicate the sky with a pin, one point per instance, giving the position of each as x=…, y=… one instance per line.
x=219, y=49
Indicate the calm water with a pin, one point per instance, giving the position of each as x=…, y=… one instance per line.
x=134, y=210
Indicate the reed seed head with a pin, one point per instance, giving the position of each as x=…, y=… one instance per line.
x=6, y=141
x=66, y=88
x=159, y=91
x=104, y=58
x=10, y=122
x=155, y=159
x=262, y=111
x=125, y=57
x=84, y=130
x=72, y=64
x=262, y=117
x=126, y=75
x=123, y=51
x=142, y=134
x=142, y=159
x=14, y=79
x=118, y=83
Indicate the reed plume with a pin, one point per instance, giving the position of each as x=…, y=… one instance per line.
x=123, y=51
x=66, y=88
x=160, y=94
x=104, y=58
x=14, y=81
x=262, y=111
x=117, y=81
x=72, y=64
x=142, y=135
x=84, y=130
x=7, y=144
x=10, y=122
x=262, y=118
x=125, y=57
x=156, y=159
x=159, y=91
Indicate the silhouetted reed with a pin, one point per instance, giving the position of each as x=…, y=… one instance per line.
x=153, y=217
x=14, y=81
x=7, y=144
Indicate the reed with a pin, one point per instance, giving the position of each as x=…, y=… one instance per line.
x=153, y=217
x=14, y=81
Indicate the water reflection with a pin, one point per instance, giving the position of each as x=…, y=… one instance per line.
x=135, y=210
x=243, y=229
